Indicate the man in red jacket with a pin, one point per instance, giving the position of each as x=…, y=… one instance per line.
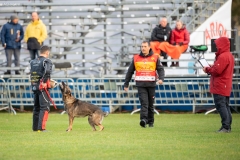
x=221, y=81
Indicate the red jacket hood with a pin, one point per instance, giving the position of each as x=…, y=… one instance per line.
x=223, y=45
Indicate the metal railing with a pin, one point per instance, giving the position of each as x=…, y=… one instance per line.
x=108, y=93
x=4, y=97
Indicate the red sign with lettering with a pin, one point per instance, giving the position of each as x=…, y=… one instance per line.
x=215, y=31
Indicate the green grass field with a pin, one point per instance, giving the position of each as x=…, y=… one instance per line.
x=174, y=136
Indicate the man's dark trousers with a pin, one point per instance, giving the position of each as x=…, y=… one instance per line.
x=146, y=97
x=33, y=54
x=9, y=53
x=40, y=110
x=222, y=106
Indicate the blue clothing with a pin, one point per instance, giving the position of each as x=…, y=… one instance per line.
x=9, y=35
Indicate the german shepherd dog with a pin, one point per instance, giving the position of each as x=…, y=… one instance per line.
x=78, y=108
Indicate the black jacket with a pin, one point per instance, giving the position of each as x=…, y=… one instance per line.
x=131, y=69
x=41, y=68
x=159, y=32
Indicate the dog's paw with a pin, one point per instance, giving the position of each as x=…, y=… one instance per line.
x=68, y=130
x=101, y=129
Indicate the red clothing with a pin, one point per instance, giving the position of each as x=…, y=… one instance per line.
x=178, y=36
x=222, y=69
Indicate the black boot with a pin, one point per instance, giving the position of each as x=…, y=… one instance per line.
x=172, y=65
x=17, y=72
x=165, y=56
x=177, y=64
x=8, y=72
x=164, y=64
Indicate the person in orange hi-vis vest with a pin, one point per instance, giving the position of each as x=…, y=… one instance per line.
x=161, y=33
x=149, y=70
x=179, y=42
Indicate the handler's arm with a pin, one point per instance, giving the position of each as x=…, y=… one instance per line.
x=48, y=70
x=129, y=74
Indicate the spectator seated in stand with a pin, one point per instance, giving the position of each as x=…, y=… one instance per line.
x=179, y=42
x=161, y=33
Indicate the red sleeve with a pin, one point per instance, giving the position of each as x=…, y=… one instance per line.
x=186, y=37
x=218, y=67
x=172, y=40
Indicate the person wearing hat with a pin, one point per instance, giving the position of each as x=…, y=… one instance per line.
x=35, y=34
x=11, y=36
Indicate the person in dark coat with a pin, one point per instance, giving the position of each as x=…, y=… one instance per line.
x=161, y=33
x=221, y=81
x=11, y=36
x=149, y=70
x=41, y=69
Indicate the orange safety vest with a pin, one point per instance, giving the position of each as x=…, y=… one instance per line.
x=145, y=67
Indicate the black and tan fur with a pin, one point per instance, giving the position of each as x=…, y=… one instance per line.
x=78, y=108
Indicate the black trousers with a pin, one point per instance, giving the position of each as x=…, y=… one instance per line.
x=165, y=56
x=222, y=106
x=146, y=97
x=33, y=54
x=40, y=110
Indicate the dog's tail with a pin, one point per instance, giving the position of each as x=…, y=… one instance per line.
x=105, y=114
